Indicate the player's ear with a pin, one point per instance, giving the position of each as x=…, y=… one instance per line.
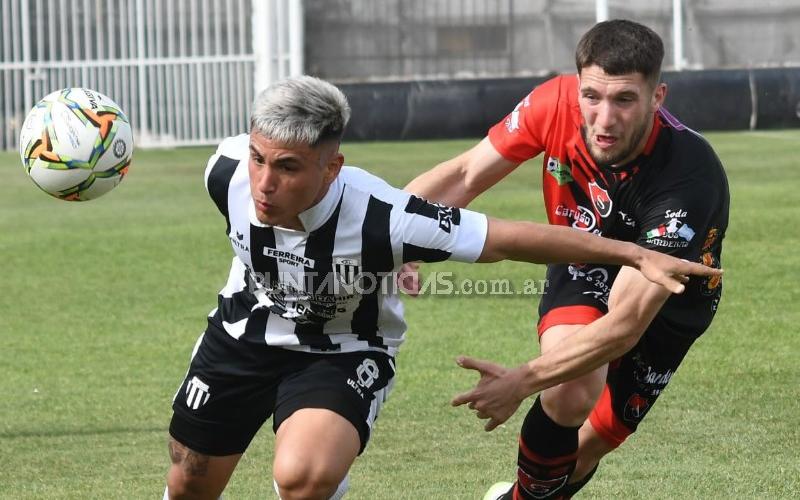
x=659, y=94
x=334, y=166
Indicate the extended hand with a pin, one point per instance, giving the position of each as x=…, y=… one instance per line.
x=670, y=272
x=494, y=396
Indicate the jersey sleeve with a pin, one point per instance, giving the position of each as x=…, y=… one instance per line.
x=220, y=169
x=433, y=233
x=522, y=134
x=677, y=219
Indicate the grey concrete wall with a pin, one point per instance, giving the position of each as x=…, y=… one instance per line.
x=439, y=109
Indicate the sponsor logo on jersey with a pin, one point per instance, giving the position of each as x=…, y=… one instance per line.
x=582, y=218
x=597, y=276
x=673, y=234
x=561, y=172
x=674, y=214
x=711, y=238
x=295, y=305
x=636, y=407
x=366, y=375
x=445, y=216
x=649, y=380
x=310, y=297
x=601, y=199
x=367, y=372
x=626, y=219
x=512, y=121
x=197, y=393
x=285, y=257
x=238, y=240
x=710, y=284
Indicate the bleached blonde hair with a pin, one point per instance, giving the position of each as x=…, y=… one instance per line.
x=303, y=109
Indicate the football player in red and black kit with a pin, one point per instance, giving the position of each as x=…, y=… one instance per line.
x=616, y=163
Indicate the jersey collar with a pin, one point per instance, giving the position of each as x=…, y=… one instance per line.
x=316, y=216
x=651, y=141
x=649, y=146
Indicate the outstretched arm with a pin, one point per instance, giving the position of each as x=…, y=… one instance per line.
x=543, y=243
x=633, y=303
x=458, y=181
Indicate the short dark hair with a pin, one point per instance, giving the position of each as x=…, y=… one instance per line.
x=621, y=47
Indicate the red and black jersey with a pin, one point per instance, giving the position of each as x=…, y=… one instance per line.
x=672, y=198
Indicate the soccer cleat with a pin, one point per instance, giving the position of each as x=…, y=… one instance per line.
x=498, y=491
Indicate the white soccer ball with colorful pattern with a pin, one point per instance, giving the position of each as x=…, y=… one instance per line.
x=76, y=144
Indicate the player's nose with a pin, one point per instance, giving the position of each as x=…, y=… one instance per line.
x=268, y=181
x=604, y=120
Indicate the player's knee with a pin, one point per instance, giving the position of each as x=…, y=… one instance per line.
x=181, y=486
x=298, y=478
x=569, y=404
x=190, y=475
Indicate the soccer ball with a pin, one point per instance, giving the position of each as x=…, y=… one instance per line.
x=76, y=144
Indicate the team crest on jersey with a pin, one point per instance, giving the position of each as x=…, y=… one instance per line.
x=346, y=271
x=561, y=172
x=601, y=199
x=197, y=393
x=636, y=407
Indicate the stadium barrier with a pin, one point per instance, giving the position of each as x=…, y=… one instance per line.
x=440, y=109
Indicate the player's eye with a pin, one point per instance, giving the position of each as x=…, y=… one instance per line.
x=626, y=99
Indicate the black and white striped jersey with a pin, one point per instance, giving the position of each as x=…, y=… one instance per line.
x=329, y=288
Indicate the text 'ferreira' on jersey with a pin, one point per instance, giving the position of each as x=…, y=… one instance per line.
x=330, y=287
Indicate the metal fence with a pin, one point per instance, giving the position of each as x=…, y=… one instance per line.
x=184, y=71
x=354, y=40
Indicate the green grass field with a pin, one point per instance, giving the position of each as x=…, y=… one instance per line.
x=101, y=303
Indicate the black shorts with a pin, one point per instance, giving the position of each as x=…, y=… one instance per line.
x=579, y=295
x=575, y=294
x=233, y=387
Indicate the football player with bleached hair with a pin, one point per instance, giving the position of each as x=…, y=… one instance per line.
x=306, y=330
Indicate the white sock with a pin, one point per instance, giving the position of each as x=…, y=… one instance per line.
x=166, y=494
x=342, y=489
x=337, y=495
